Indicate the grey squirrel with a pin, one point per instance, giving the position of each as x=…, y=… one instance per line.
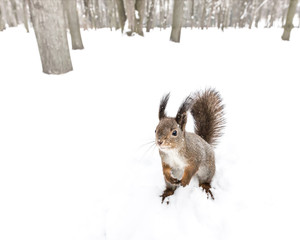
x=185, y=154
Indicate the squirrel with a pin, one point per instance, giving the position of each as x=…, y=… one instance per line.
x=185, y=154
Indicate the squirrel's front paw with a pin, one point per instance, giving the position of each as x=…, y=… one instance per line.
x=184, y=182
x=174, y=180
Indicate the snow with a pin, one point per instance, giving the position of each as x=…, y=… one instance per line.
x=74, y=163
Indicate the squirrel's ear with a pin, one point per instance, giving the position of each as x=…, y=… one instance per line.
x=162, y=106
x=181, y=117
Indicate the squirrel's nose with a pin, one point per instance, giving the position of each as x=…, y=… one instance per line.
x=159, y=141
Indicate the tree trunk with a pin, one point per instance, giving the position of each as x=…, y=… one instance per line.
x=50, y=30
x=289, y=20
x=2, y=23
x=114, y=21
x=166, y=14
x=140, y=8
x=192, y=14
x=8, y=13
x=177, y=20
x=121, y=13
x=97, y=14
x=135, y=24
x=130, y=13
x=25, y=15
x=150, y=17
x=258, y=16
x=273, y=13
x=252, y=13
x=203, y=16
x=73, y=23
x=15, y=10
x=88, y=14
x=161, y=13
x=210, y=18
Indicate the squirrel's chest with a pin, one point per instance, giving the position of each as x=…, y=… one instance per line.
x=174, y=160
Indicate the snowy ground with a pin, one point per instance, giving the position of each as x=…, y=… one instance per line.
x=73, y=164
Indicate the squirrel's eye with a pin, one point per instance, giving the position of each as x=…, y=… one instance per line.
x=174, y=133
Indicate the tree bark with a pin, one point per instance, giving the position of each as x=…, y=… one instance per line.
x=88, y=13
x=25, y=15
x=73, y=23
x=2, y=22
x=177, y=20
x=257, y=18
x=289, y=20
x=135, y=24
x=150, y=17
x=130, y=13
x=121, y=13
x=8, y=13
x=140, y=8
x=15, y=10
x=203, y=15
x=273, y=13
x=166, y=14
x=161, y=13
x=50, y=30
x=210, y=18
x=114, y=22
x=192, y=14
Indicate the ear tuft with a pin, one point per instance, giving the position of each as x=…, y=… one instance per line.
x=181, y=117
x=162, y=106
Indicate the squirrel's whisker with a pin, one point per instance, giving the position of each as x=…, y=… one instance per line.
x=146, y=144
x=150, y=148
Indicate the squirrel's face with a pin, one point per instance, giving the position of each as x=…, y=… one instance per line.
x=168, y=134
x=170, y=131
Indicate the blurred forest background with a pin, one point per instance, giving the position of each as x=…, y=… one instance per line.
x=51, y=19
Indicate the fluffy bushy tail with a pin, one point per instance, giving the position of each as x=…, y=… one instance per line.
x=208, y=114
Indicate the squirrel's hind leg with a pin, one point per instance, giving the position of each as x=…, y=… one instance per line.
x=206, y=187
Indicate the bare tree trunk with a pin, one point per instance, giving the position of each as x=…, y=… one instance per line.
x=121, y=13
x=8, y=13
x=192, y=14
x=166, y=11
x=130, y=13
x=135, y=24
x=177, y=20
x=257, y=18
x=115, y=22
x=108, y=13
x=97, y=14
x=252, y=13
x=2, y=22
x=220, y=17
x=150, y=17
x=273, y=13
x=224, y=18
x=161, y=13
x=70, y=8
x=210, y=18
x=289, y=20
x=203, y=15
x=88, y=13
x=50, y=30
x=25, y=14
x=15, y=10
x=140, y=8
